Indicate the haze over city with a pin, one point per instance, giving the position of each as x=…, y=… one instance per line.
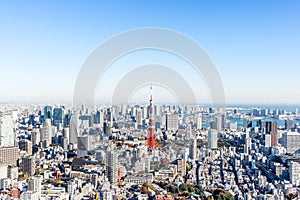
x=150, y=100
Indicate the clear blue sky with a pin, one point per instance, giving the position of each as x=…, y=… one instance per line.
x=254, y=44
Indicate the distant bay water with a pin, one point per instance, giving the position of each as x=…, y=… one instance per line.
x=246, y=108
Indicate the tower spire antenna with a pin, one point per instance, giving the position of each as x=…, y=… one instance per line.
x=151, y=92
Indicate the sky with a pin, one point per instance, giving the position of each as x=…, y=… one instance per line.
x=253, y=44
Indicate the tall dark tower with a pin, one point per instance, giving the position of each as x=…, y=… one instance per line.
x=151, y=138
x=48, y=112
x=271, y=128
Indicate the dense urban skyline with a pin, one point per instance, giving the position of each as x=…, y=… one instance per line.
x=254, y=45
x=158, y=100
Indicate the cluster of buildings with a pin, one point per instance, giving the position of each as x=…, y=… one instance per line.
x=148, y=152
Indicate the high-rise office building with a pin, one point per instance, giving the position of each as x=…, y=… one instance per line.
x=94, y=180
x=96, y=117
x=144, y=112
x=123, y=109
x=247, y=141
x=264, y=112
x=71, y=187
x=101, y=118
x=46, y=133
x=48, y=112
x=157, y=120
x=9, y=155
x=35, y=137
x=12, y=172
x=112, y=166
x=294, y=173
x=212, y=139
x=291, y=141
x=5, y=183
x=171, y=121
x=255, y=112
x=74, y=128
x=107, y=128
x=157, y=110
x=181, y=167
x=58, y=116
x=83, y=145
x=199, y=122
x=66, y=133
x=133, y=111
x=271, y=128
x=189, y=134
x=139, y=118
x=267, y=140
x=109, y=115
x=219, y=123
x=25, y=145
x=86, y=121
x=7, y=136
x=289, y=124
x=3, y=171
x=35, y=184
x=193, y=149
x=28, y=165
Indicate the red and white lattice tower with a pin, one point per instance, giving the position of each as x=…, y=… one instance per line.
x=151, y=138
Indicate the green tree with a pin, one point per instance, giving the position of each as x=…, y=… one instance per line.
x=183, y=187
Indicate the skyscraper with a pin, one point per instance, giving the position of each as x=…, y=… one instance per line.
x=7, y=136
x=107, y=128
x=112, y=166
x=271, y=128
x=171, y=121
x=25, y=145
x=289, y=124
x=212, y=139
x=193, y=149
x=74, y=128
x=83, y=145
x=48, y=112
x=46, y=132
x=9, y=155
x=291, y=141
x=247, y=142
x=96, y=117
x=189, y=134
x=199, y=122
x=219, y=122
x=294, y=173
x=35, y=137
x=267, y=140
x=28, y=165
x=58, y=116
x=157, y=110
x=101, y=118
x=139, y=117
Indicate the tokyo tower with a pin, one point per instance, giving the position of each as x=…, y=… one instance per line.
x=151, y=138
